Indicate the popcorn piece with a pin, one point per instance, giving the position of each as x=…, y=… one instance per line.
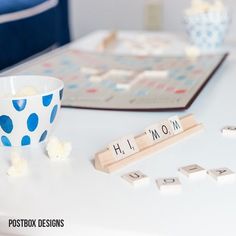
x=218, y=6
x=202, y=6
x=58, y=150
x=192, y=51
x=26, y=91
x=18, y=166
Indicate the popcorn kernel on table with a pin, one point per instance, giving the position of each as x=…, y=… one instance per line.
x=57, y=149
x=18, y=166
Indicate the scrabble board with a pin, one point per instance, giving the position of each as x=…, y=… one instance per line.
x=125, y=82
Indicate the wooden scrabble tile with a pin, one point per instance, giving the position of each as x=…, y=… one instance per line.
x=136, y=178
x=192, y=171
x=159, y=132
x=115, y=73
x=128, y=82
x=89, y=71
x=171, y=184
x=96, y=78
x=124, y=79
x=110, y=38
x=154, y=74
x=105, y=161
x=123, y=147
x=222, y=174
x=175, y=124
x=229, y=131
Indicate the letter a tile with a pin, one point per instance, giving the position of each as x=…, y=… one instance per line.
x=222, y=174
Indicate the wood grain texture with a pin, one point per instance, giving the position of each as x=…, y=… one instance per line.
x=105, y=161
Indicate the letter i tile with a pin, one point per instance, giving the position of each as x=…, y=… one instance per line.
x=123, y=147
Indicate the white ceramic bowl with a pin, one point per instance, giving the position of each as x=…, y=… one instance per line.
x=28, y=119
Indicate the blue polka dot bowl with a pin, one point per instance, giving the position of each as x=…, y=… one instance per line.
x=29, y=106
x=207, y=30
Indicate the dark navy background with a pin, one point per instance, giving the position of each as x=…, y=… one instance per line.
x=25, y=37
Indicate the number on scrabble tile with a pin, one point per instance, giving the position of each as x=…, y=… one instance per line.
x=123, y=147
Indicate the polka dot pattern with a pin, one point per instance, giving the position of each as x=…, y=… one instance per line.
x=53, y=113
x=32, y=122
x=28, y=120
x=5, y=141
x=206, y=33
x=6, y=124
x=25, y=140
x=19, y=104
x=43, y=136
x=61, y=94
x=47, y=100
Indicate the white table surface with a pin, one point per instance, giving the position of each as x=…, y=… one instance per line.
x=95, y=203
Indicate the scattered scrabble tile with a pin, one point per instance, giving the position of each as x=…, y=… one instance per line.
x=229, y=131
x=222, y=174
x=57, y=149
x=123, y=147
x=171, y=184
x=192, y=171
x=175, y=124
x=19, y=166
x=136, y=178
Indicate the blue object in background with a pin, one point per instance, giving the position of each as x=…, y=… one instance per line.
x=28, y=27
